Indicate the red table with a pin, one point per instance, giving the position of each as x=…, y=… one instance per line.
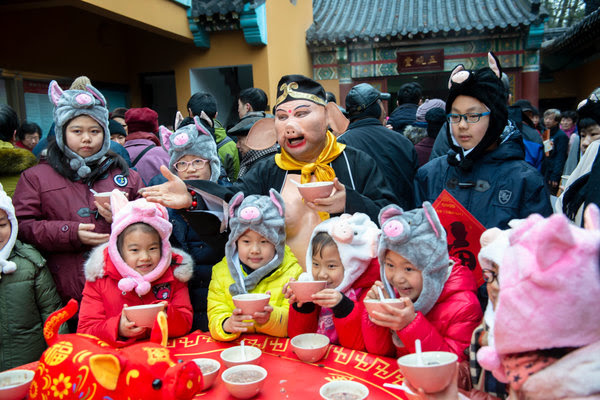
x=290, y=378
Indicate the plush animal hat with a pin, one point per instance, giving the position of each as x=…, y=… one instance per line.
x=8, y=267
x=126, y=213
x=418, y=236
x=191, y=139
x=356, y=237
x=484, y=85
x=589, y=108
x=70, y=104
x=549, y=288
x=265, y=216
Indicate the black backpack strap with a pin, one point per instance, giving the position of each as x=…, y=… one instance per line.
x=139, y=156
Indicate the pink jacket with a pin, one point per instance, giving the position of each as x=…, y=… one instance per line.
x=447, y=327
x=102, y=302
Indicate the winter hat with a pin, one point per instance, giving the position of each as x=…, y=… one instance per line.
x=494, y=243
x=265, y=216
x=127, y=213
x=299, y=87
x=435, y=118
x=356, y=237
x=70, y=104
x=191, y=139
x=549, y=288
x=418, y=236
x=484, y=85
x=589, y=108
x=429, y=104
x=116, y=128
x=8, y=267
x=141, y=120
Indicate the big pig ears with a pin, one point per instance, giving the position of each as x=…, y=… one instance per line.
x=277, y=200
x=96, y=94
x=336, y=121
x=494, y=64
x=117, y=201
x=433, y=219
x=235, y=202
x=165, y=135
x=54, y=92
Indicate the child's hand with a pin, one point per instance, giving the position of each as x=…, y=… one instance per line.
x=236, y=323
x=85, y=233
x=450, y=392
x=373, y=293
x=127, y=328
x=327, y=298
x=289, y=293
x=263, y=317
x=106, y=212
x=396, y=318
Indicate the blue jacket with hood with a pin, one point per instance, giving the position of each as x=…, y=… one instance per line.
x=500, y=187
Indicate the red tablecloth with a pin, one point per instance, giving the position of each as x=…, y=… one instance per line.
x=290, y=378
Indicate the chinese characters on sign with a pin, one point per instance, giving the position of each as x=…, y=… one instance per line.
x=428, y=60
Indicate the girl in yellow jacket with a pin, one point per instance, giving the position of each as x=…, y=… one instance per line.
x=256, y=261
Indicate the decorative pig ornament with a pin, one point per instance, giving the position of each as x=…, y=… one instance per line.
x=83, y=367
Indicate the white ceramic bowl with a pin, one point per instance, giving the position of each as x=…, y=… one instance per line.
x=315, y=190
x=434, y=375
x=233, y=356
x=310, y=347
x=14, y=384
x=304, y=289
x=244, y=381
x=144, y=315
x=344, y=390
x=251, y=302
x=210, y=370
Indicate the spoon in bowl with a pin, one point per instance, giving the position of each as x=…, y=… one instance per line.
x=243, y=350
x=418, y=350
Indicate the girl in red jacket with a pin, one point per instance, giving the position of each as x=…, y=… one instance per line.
x=342, y=251
x=136, y=267
x=440, y=305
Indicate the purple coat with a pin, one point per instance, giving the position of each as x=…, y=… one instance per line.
x=149, y=165
x=50, y=207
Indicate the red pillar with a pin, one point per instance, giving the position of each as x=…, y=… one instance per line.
x=530, y=86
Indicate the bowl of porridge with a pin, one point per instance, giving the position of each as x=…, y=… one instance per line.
x=244, y=381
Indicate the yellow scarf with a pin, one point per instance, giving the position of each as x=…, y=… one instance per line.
x=320, y=168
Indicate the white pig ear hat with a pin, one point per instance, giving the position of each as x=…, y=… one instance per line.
x=8, y=267
x=418, y=236
x=127, y=213
x=356, y=238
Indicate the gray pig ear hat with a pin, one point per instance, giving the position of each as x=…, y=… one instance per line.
x=191, y=139
x=265, y=216
x=70, y=104
x=418, y=236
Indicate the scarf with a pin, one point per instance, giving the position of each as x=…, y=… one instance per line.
x=252, y=156
x=320, y=167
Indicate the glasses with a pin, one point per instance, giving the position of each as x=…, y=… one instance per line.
x=489, y=276
x=471, y=118
x=182, y=166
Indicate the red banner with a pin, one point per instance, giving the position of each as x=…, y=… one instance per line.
x=463, y=232
x=415, y=61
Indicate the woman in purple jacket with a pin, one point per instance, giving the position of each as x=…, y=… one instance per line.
x=54, y=202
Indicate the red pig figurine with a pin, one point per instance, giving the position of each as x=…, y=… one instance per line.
x=83, y=367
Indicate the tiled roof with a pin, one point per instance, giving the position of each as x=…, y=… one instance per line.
x=212, y=7
x=219, y=15
x=586, y=32
x=343, y=21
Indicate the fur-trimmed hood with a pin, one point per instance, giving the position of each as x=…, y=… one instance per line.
x=94, y=267
x=14, y=160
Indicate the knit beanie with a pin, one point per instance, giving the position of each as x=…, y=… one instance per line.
x=429, y=104
x=191, y=139
x=265, y=216
x=116, y=128
x=356, y=238
x=484, y=85
x=141, y=120
x=435, y=118
x=8, y=267
x=70, y=104
x=418, y=236
x=127, y=213
x=549, y=288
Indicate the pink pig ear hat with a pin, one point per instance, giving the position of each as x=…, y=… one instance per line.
x=126, y=213
x=549, y=288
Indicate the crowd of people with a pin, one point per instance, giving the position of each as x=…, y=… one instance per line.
x=199, y=214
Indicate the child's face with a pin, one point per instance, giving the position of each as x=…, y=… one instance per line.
x=5, y=229
x=327, y=266
x=255, y=250
x=403, y=276
x=84, y=136
x=588, y=135
x=192, y=166
x=469, y=135
x=141, y=250
x=117, y=137
x=491, y=282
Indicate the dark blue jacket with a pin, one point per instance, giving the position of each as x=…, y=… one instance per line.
x=394, y=154
x=200, y=239
x=554, y=164
x=500, y=187
x=405, y=114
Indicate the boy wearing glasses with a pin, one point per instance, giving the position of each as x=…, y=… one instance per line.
x=485, y=168
x=193, y=156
